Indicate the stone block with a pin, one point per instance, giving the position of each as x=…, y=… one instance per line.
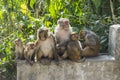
x=114, y=41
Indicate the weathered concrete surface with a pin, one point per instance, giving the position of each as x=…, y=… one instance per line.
x=114, y=41
x=67, y=70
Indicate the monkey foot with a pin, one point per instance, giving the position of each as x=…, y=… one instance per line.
x=81, y=60
x=29, y=62
x=45, y=61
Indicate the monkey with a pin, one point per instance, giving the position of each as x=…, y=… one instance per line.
x=61, y=48
x=74, y=48
x=19, y=49
x=62, y=35
x=45, y=45
x=91, y=43
x=29, y=51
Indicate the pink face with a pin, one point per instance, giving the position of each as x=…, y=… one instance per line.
x=64, y=23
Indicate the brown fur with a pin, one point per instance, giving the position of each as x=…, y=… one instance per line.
x=74, y=48
x=45, y=45
x=29, y=51
x=91, y=43
x=19, y=49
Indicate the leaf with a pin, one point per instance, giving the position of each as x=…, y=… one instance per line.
x=1, y=14
x=47, y=23
x=32, y=2
x=97, y=4
x=24, y=8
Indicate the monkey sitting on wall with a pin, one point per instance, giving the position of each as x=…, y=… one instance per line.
x=29, y=51
x=19, y=49
x=91, y=43
x=62, y=35
x=74, y=48
x=45, y=45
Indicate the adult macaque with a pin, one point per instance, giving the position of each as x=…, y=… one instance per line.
x=29, y=51
x=45, y=45
x=91, y=43
x=19, y=49
x=62, y=35
x=74, y=48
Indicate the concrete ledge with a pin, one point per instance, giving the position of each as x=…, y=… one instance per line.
x=101, y=58
x=68, y=70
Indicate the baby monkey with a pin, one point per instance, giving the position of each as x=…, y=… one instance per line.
x=74, y=48
x=19, y=49
x=29, y=51
x=91, y=43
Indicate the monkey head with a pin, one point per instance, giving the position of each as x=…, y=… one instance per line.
x=75, y=36
x=61, y=47
x=83, y=34
x=42, y=34
x=30, y=45
x=18, y=42
x=63, y=23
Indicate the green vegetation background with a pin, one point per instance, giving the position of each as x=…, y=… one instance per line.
x=21, y=19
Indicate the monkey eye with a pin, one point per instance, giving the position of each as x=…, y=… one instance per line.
x=58, y=22
x=41, y=31
x=66, y=22
x=33, y=45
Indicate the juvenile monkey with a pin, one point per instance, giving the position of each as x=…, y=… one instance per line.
x=74, y=48
x=62, y=35
x=19, y=49
x=45, y=45
x=29, y=51
x=91, y=43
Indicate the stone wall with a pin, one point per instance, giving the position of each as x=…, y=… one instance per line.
x=67, y=70
x=105, y=67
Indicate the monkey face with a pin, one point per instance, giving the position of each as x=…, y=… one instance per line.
x=61, y=48
x=82, y=34
x=63, y=23
x=30, y=45
x=18, y=42
x=42, y=34
x=75, y=36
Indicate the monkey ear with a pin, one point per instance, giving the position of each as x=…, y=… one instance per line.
x=14, y=42
x=38, y=30
x=58, y=21
x=19, y=40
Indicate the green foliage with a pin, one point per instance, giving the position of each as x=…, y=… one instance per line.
x=97, y=4
x=21, y=19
